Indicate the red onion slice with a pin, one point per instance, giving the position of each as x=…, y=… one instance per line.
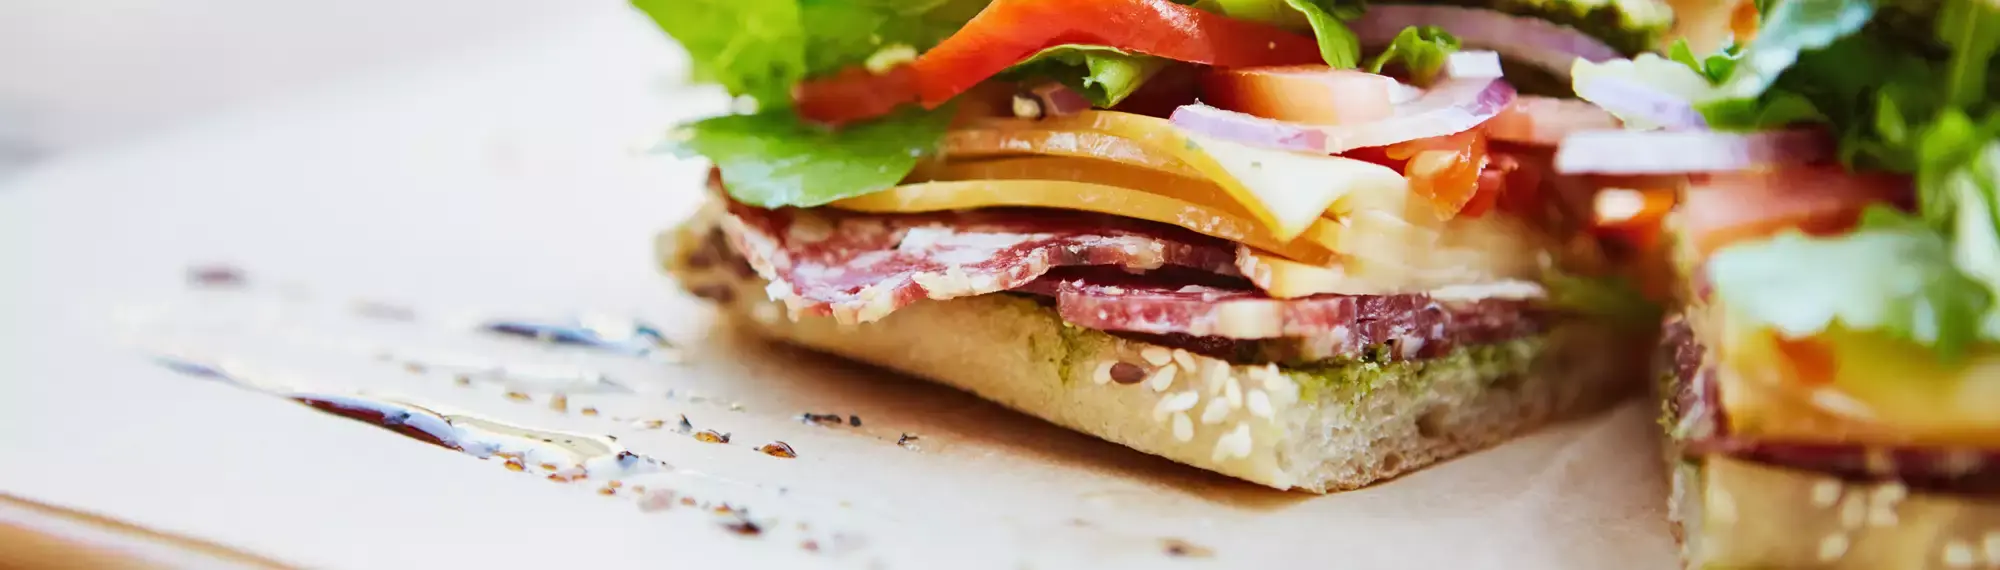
x=1452, y=107
x=1635, y=100
x=1667, y=152
x=1533, y=40
x=1473, y=65
x=1546, y=121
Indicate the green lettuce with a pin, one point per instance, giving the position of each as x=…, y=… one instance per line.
x=1892, y=275
x=772, y=159
x=1422, y=50
x=1326, y=18
x=1103, y=75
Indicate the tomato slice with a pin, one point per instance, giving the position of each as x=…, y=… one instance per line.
x=1311, y=94
x=1720, y=209
x=1009, y=31
x=1445, y=170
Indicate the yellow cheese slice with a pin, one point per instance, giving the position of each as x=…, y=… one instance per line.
x=988, y=192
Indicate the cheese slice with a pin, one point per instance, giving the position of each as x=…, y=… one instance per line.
x=1883, y=391
x=1088, y=197
x=1381, y=254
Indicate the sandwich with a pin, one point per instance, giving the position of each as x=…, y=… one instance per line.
x=1830, y=369
x=1307, y=244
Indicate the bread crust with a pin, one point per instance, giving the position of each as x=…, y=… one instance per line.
x=1286, y=428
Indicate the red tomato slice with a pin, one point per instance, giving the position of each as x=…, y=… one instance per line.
x=855, y=94
x=1546, y=121
x=1720, y=209
x=1009, y=31
x=1444, y=170
x=1311, y=94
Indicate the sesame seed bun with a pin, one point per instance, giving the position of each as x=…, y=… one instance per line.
x=1731, y=513
x=1281, y=427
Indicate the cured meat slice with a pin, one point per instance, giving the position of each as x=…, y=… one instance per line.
x=1695, y=408
x=860, y=267
x=1412, y=325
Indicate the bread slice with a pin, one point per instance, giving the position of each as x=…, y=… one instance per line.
x=1320, y=429
x=1732, y=513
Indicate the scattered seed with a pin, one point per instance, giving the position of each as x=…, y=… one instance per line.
x=687, y=501
x=1185, y=360
x=517, y=396
x=615, y=484
x=1216, y=411
x=414, y=367
x=649, y=424
x=685, y=425
x=907, y=441
x=711, y=436
x=655, y=501
x=1183, y=549
x=742, y=526
x=778, y=449
x=1157, y=355
x=589, y=411
x=854, y=421
x=548, y=467
x=1162, y=378
x=1832, y=547
x=607, y=491
x=735, y=406
x=813, y=419
x=1183, y=427
x=462, y=380
x=1127, y=373
x=810, y=545
x=215, y=276
x=513, y=465
x=1958, y=554
x=559, y=402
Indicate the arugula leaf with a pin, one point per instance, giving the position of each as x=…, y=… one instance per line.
x=772, y=159
x=1972, y=30
x=1893, y=275
x=1101, y=74
x=1790, y=27
x=1715, y=68
x=1420, y=49
x=1337, y=44
x=750, y=47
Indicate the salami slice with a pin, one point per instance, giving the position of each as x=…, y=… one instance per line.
x=1695, y=407
x=860, y=267
x=1328, y=326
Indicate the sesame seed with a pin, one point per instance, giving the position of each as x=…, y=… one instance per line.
x=1102, y=375
x=1183, y=427
x=1217, y=376
x=1027, y=107
x=1853, y=509
x=649, y=424
x=1878, y=461
x=711, y=436
x=1260, y=404
x=559, y=402
x=1157, y=355
x=1234, y=444
x=1127, y=373
x=589, y=411
x=1958, y=554
x=517, y=396
x=1216, y=411
x=1185, y=360
x=1162, y=379
x=1176, y=402
x=1233, y=391
x=1882, y=504
x=1832, y=547
x=1825, y=492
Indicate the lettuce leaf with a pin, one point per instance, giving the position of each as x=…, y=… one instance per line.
x=1103, y=75
x=761, y=48
x=1422, y=50
x=772, y=159
x=1892, y=275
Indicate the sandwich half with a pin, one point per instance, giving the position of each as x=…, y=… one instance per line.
x=1830, y=374
x=1299, y=243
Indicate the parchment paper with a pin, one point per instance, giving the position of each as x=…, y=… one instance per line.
x=375, y=226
